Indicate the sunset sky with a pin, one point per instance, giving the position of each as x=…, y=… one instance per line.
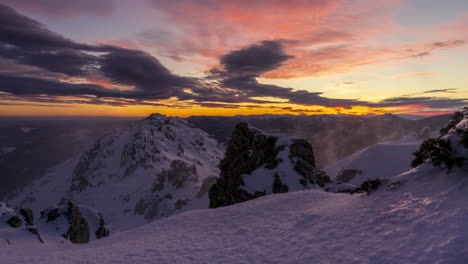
x=230, y=57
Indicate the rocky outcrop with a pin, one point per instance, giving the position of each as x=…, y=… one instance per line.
x=258, y=163
x=76, y=223
x=20, y=220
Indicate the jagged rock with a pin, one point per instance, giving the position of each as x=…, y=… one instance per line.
x=257, y=163
x=34, y=231
x=14, y=221
x=102, y=231
x=28, y=216
x=20, y=220
x=78, y=232
x=73, y=222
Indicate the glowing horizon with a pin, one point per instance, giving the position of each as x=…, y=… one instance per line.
x=185, y=58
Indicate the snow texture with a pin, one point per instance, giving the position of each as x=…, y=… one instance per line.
x=132, y=176
x=420, y=219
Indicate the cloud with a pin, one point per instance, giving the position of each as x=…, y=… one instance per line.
x=65, y=9
x=27, y=42
x=240, y=68
x=432, y=102
x=255, y=59
x=412, y=74
x=42, y=66
x=449, y=90
x=131, y=67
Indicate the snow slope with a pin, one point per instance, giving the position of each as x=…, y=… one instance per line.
x=381, y=160
x=420, y=220
x=132, y=176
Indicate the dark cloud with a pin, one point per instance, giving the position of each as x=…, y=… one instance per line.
x=449, y=90
x=242, y=67
x=131, y=67
x=255, y=59
x=432, y=102
x=28, y=50
x=448, y=44
x=421, y=54
x=27, y=42
x=20, y=85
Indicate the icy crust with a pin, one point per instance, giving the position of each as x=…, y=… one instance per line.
x=153, y=169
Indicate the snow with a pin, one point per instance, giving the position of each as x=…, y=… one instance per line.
x=261, y=179
x=417, y=216
x=377, y=161
x=421, y=220
x=149, y=146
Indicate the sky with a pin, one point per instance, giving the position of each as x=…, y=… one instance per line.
x=232, y=57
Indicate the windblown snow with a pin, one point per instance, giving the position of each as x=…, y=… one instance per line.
x=381, y=160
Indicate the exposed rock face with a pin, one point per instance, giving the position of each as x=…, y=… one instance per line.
x=28, y=216
x=78, y=232
x=14, y=221
x=75, y=223
x=102, y=231
x=20, y=220
x=257, y=164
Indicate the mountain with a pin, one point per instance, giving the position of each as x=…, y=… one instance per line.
x=334, y=136
x=29, y=146
x=151, y=169
x=418, y=216
x=257, y=164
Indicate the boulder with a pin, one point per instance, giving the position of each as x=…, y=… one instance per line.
x=258, y=163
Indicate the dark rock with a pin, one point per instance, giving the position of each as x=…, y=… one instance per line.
x=102, y=231
x=28, y=216
x=180, y=172
x=368, y=186
x=78, y=232
x=53, y=214
x=34, y=231
x=179, y=204
x=278, y=186
x=345, y=175
x=14, y=221
x=250, y=149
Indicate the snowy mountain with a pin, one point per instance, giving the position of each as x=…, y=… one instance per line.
x=418, y=216
x=258, y=163
x=152, y=169
x=333, y=136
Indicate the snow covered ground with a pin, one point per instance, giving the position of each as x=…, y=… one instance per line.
x=422, y=219
x=381, y=160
